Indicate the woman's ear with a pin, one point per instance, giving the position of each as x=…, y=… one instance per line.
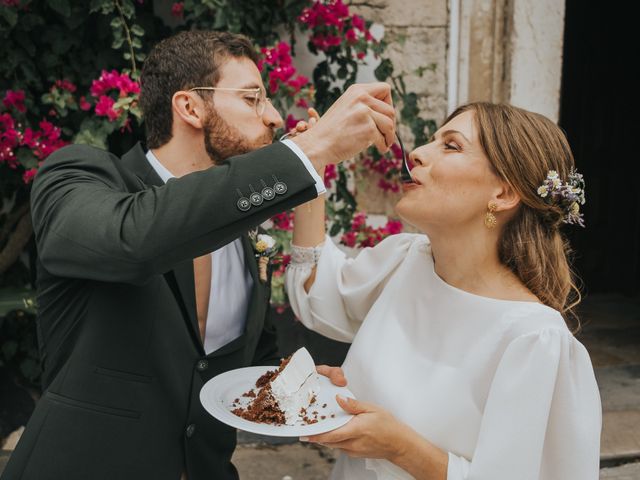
x=188, y=108
x=506, y=198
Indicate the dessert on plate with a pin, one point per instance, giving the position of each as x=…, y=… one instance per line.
x=284, y=396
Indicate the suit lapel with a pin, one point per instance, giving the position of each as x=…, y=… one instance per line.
x=181, y=278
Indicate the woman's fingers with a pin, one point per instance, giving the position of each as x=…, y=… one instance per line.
x=313, y=114
x=335, y=374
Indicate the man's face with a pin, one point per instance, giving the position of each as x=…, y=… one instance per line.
x=232, y=125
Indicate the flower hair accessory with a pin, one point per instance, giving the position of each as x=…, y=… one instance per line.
x=568, y=196
x=264, y=247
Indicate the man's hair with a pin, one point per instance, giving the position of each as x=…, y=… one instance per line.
x=186, y=60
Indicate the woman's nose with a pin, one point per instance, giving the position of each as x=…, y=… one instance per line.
x=418, y=157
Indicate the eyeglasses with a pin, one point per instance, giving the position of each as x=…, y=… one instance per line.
x=260, y=99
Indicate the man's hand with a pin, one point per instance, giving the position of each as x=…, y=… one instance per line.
x=335, y=374
x=361, y=117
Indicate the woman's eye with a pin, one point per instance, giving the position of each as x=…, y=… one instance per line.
x=250, y=100
x=451, y=146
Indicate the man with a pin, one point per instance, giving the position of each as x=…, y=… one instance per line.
x=130, y=325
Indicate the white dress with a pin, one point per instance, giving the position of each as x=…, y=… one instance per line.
x=503, y=386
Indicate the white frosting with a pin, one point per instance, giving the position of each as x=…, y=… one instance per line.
x=296, y=385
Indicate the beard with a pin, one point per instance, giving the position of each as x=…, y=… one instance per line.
x=222, y=141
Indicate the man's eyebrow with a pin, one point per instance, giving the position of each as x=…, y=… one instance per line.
x=449, y=132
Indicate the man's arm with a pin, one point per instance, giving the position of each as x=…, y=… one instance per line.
x=88, y=226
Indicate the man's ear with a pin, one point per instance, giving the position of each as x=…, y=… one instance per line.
x=505, y=198
x=189, y=108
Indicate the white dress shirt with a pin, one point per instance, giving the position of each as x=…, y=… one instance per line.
x=502, y=386
x=231, y=282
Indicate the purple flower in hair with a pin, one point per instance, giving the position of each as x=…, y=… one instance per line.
x=567, y=195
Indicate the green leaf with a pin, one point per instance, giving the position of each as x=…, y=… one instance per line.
x=26, y=158
x=10, y=15
x=61, y=6
x=105, y=6
x=384, y=70
x=118, y=41
x=137, y=30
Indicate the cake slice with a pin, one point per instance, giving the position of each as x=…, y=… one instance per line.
x=285, y=394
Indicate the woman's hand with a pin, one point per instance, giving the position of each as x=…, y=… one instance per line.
x=303, y=126
x=372, y=433
x=334, y=374
x=376, y=433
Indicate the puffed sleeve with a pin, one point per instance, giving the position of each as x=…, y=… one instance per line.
x=344, y=289
x=542, y=417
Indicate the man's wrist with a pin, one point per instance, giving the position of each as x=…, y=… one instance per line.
x=319, y=155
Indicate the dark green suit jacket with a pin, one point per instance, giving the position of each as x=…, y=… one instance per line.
x=123, y=361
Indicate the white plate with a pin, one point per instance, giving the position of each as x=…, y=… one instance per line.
x=218, y=394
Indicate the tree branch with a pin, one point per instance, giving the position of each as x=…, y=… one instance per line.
x=17, y=241
x=12, y=218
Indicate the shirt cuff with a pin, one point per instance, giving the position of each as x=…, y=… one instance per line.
x=307, y=163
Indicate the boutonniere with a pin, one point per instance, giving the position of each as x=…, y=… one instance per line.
x=264, y=248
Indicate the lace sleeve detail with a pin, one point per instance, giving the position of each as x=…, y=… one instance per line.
x=306, y=255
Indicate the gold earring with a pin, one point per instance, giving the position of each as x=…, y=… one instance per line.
x=490, y=220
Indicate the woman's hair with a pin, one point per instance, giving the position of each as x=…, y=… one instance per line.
x=522, y=147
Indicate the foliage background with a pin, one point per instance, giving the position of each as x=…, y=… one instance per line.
x=69, y=74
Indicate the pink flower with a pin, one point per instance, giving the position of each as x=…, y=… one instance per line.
x=84, y=105
x=297, y=83
x=291, y=122
x=359, y=220
x=358, y=22
x=339, y=8
x=177, y=9
x=396, y=151
x=283, y=221
x=9, y=140
x=104, y=108
x=15, y=99
x=65, y=85
x=302, y=103
x=6, y=121
x=113, y=80
x=393, y=226
x=349, y=238
x=330, y=174
x=388, y=186
x=28, y=175
x=360, y=55
x=351, y=36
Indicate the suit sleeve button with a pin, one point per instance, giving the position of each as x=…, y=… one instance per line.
x=191, y=430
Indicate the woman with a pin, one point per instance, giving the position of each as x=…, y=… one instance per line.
x=462, y=361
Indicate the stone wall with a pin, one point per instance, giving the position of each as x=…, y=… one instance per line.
x=417, y=33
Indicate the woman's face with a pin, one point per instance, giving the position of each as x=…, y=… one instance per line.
x=453, y=180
